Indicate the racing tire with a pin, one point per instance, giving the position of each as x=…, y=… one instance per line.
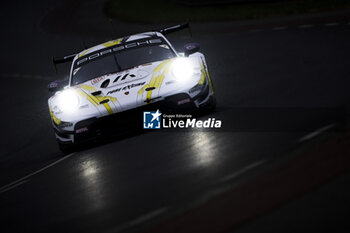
x=66, y=148
x=210, y=105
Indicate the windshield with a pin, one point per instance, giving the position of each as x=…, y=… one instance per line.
x=116, y=59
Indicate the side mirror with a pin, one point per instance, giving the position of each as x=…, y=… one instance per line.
x=56, y=86
x=191, y=48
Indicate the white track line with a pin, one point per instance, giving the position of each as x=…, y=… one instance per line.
x=331, y=24
x=316, y=133
x=14, y=186
x=138, y=221
x=306, y=26
x=21, y=180
x=240, y=172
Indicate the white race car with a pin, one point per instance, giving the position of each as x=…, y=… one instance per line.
x=109, y=84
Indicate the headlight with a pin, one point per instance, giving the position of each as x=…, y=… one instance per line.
x=182, y=69
x=68, y=101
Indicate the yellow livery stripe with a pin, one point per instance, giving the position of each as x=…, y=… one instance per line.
x=54, y=118
x=96, y=100
x=84, y=52
x=109, y=110
x=203, y=74
x=156, y=80
x=112, y=43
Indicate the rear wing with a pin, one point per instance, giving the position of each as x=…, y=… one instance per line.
x=59, y=60
x=164, y=31
x=174, y=28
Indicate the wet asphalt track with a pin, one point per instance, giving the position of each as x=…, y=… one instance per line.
x=273, y=87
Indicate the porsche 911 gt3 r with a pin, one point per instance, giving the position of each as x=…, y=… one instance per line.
x=110, y=81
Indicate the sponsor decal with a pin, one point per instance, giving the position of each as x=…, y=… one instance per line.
x=157, y=120
x=123, y=77
x=151, y=120
x=96, y=80
x=81, y=130
x=116, y=47
x=183, y=101
x=170, y=82
x=127, y=87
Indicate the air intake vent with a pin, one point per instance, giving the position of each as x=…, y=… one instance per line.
x=104, y=101
x=105, y=84
x=96, y=93
x=150, y=88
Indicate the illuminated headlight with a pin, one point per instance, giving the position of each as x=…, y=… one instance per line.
x=182, y=69
x=68, y=101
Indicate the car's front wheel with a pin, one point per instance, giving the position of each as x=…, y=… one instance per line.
x=66, y=148
x=210, y=105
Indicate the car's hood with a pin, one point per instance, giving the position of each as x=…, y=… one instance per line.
x=132, y=88
x=138, y=86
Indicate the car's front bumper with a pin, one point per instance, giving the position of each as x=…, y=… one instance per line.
x=123, y=122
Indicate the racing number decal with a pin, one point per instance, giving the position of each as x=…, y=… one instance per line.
x=123, y=77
